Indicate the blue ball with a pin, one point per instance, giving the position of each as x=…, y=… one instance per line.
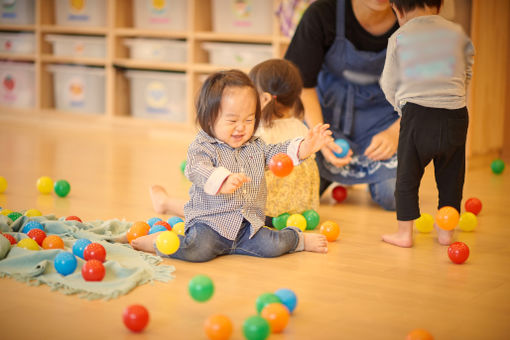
x=174, y=220
x=65, y=263
x=153, y=220
x=32, y=225
x=345, y=147
x=288, y=298
x=156, y=229
x=79, y=246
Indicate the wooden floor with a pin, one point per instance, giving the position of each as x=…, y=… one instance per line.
x=362, y=289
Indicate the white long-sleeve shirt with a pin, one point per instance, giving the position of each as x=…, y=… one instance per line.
x=428, y=62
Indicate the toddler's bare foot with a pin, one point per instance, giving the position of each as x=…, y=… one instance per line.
x=145, y=243
x=444, y=237
x=159, y=198
x=403, y=237
x=315, y=242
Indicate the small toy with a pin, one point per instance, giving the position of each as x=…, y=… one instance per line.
x=93, y=270
x=32, y=225
x=164, y=224
x=79, y=246
x=28, y=244
x=37, y=235
x=10, y=238
x=256, y=328
x=473, y=205
x=281, y=165
x=3, y=184
x=153, y=220
x=218, y=327
x=94, y=251
x=312, y=219
x=277, y=315
x=265, y=299
x=5, y=212
x=339, y=193
x=183, y=166
x=468, y=221
x=297, y=220
x=65, y=263
x=53, y=242
x=14, y=215
x=178, y=228
x=168, y=242
x=330, y=229
x=419, y=334
x=173, y=220
x=280, y=222
x=201, y=288
x=458, y=252
x=447, y=218
x=157, y=228
x=62, y=187
x=288, y=298
x=345, y=147
x=497, y=166
x=135, y=317
x=44, y=185
x=425, y=223
x=73, y=218
x=138, y=229
x=33, y=213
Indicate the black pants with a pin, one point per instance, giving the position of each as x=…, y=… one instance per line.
x=430, y=134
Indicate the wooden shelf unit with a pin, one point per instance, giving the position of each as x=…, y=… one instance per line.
x=119, y=26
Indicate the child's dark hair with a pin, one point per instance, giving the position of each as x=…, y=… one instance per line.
x=409, y=5
x=209, y=99
x=282, y=80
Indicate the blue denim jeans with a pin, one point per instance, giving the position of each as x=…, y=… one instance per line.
x=202, y=243
x=383, y=193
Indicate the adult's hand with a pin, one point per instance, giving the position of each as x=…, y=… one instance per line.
x=328, y=153
x=384, y=144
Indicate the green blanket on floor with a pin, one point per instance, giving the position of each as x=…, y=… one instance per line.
x=125, y=267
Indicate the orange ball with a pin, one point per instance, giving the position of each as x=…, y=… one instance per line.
x=53, y=242
x=277, y=315
x=419, y=334
x=138, y=229
x=218, y=327
x=330, y=229
x=281, y=165
x=447, y=218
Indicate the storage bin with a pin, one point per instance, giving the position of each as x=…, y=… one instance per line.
x=158, y=95
x=17, y=12
x=78, y=88
x=77, y=45
x=161, y=14
x=17, y=88
x=248, y=16
x=80, y=12
x=17, y=43
x=237, y=55
x=173, y=51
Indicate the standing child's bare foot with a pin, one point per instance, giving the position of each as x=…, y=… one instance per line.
x=159, y=198
x=444, y=237
x=403, y=237
x=315, y=242
x=145, y=243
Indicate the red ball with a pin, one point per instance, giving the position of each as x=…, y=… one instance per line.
x=473, y=205
x=73, y=218
x=93, y=270
x=164, y=224
x=281, y=165
x=37, y=235
x=135, y=317
x=10, y=238
x=94, y=251
x=458, y=252
x=339, y=193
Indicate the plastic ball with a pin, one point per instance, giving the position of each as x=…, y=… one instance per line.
x=33, y=213
x=183, y=166
x=345, y=147
x=10, y=238
x=28, y=243
x=288, y=298
x=94, y=251
x=218, y=327
x=179, y=228
x=65, y=263
x=174, y=220
x=473, y=205
x=330, y=229
x=44, y=185
x=3, y=184
x=62, y=187
x=168, y=242
x=280, y=222
x=425, y=223
x=157, y=229
x=138, y=229
x=256, y=328
x=265, y=299
x=497, y=166
x=201, y=288
x=153, y=220
x=281, y=165
x=468, y=221
x=53, y=242
x=14, y=215
x=277, y=315
x=79, y=246
x=297, y=220
x=447, y=218
x=73, y=218
x=135, y=317
x=312, y=219
x=37, y=235
x=339, y=193
x=164, y=224
x=32, y=225
x=458, y=252
x=5, y=212
x=419, y=334
x=93, y=270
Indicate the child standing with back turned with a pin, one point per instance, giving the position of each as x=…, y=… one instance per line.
x=226, y=163
x=426, y=75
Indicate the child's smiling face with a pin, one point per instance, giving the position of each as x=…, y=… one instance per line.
x=236, y=120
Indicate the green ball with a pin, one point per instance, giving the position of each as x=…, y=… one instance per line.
x=183, y=166
x=62, y=187
x=265, y=299
x=201, y=288
x=14, y=216
x=280, y=222
x=497, y=166
x=312, y=219
x=256, y=328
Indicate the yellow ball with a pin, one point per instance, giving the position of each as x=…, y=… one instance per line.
x=28, y=243
x=425, y=223
x=297, y=220
x=5, y=212
x=468, y=221
x=33, y=212
x=168, y=242
x=3, y=184
x=178, y=228
x=45, y=185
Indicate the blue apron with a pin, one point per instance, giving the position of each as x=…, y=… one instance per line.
x=354, y=105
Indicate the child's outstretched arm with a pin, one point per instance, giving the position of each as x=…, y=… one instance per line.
x=314, y=140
